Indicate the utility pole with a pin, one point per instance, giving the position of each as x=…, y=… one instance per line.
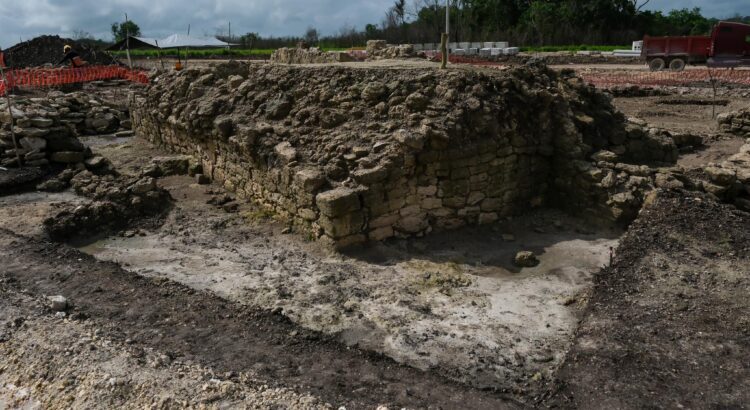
x=444, y=50
x=230, y=31
x=127, y=42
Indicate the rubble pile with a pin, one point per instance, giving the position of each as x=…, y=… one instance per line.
x=46, y=129
x=737, y=122
x=380, y=50
x=351, y=154
x=314, y=55
x=45, y=50
x=117, y=200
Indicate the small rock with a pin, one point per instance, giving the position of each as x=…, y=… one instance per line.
x=143, y=186
x=202, y=179
x=525, y=259
x=231, y=207
x=58, y=303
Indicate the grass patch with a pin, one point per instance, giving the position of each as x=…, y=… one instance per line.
x=258, y=214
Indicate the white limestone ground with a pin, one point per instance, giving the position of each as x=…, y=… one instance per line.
x=451, y=301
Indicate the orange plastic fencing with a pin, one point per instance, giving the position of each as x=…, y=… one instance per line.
x=50, y=77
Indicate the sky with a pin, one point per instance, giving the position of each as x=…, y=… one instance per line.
x=26, y=19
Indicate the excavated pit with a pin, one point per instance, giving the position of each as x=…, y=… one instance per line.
x=488, y=165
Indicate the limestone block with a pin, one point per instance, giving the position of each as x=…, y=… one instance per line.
x=342, y=226
x=371, y=175
x=33, y=143
x=380, y=234
x=285, y=152
x=41, y=122
x=309, y=179
x=338, y=201
x=412, y=224
x=486, y=218
x=409, y=139
x=384, y=220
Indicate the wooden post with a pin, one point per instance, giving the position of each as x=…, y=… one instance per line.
x=10, y=113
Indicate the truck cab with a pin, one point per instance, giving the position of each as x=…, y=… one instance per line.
x=730, y=45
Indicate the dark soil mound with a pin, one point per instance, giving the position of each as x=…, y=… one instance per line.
x=49, y=50
x=17, y=179
x=667, y=324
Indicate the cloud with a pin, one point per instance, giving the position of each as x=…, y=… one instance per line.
x=25, y=19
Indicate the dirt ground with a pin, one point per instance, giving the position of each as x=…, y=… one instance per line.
x=667, y=325
x=216, y=309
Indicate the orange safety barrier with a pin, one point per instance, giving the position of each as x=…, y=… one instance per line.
x=49, y=77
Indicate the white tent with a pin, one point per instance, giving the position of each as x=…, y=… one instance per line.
x=181, y=40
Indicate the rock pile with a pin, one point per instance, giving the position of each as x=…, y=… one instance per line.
x=49, y=50
x=352, y=154
x=314, y=55
x=380, y=50
x=737, y=122
x=729, y=180
x=46, y=129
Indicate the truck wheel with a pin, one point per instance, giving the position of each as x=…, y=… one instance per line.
x=657, y=64
x=677, y=64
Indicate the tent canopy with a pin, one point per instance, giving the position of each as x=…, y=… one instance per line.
x=136, y=43
x=181, y=40
x=173, y=41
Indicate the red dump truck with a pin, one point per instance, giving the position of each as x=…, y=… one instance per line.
x=728, y=46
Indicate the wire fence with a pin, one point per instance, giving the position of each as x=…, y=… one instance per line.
x=53, y=77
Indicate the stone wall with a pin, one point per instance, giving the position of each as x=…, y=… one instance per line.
x=737, y=122
x=46, y=128
x=351, y=154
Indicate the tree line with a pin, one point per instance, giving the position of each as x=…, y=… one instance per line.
x=521, y=22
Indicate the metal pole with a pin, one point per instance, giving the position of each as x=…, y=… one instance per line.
x=10, y=113
x=447, y=30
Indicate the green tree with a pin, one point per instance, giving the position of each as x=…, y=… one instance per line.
x=689, y=21
x=121, y=30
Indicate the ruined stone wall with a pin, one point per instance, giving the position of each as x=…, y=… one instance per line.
x=737, y=122
x=352, y=154
x=46, y=128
